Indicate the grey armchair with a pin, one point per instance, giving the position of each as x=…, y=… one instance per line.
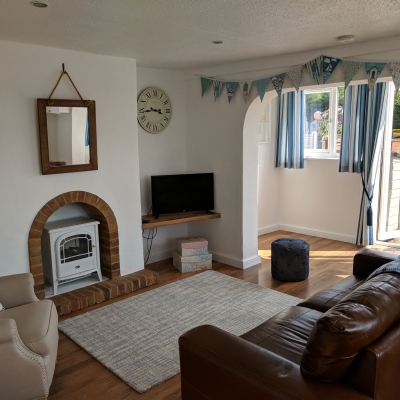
x=28, y=340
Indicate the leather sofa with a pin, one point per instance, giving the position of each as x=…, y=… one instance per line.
x=342, y=343
x=28, y=340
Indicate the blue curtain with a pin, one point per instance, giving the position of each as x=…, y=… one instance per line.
x=290, y=135
x=364, y=116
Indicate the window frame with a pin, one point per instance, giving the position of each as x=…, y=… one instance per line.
x=330, y=152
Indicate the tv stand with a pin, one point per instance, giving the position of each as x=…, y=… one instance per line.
x=177, y=218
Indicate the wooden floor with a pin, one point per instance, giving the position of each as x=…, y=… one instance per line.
x=80, y=376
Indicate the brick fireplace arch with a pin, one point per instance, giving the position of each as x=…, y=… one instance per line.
x=108, y=234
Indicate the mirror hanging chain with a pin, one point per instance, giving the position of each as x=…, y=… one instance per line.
x=50, y=101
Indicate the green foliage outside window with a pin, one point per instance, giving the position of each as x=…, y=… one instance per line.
x=396, y=111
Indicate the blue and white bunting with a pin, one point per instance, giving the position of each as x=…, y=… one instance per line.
x=245, y=88
x=261, y=85
x=295, y=76
x=205, y=84
x=217, y=85
x=328, y=66
x=350, y=68
x=314, y=68
x=230, y=89
x=277, y=81
x=321, y=69
x=373, y=71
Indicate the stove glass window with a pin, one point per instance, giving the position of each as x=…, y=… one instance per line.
x=75, y=247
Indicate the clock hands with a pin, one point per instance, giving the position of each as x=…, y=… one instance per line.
x=153, y=109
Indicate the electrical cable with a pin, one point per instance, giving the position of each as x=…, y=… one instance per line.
x=149, y=240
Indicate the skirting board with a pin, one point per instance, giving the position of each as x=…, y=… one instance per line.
x=234, y=262
x=311, y=232
x=241, y=264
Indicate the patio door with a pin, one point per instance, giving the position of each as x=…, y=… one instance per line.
x=389, y=193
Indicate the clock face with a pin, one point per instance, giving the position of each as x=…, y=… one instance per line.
x=154, y=110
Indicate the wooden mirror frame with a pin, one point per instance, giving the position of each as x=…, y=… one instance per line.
x=44, y=141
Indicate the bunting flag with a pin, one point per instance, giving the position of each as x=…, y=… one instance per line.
x=328, y=66
x=277, y=81
x=261, y=85
x=395, y=71
x=205, y=84
x=314, y=68
x=373, y=71
x=295, y=76
x=231, y=88
x=217, y=88
x=350, y=68
x=245, y=87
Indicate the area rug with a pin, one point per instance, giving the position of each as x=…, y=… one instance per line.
x=137, y=338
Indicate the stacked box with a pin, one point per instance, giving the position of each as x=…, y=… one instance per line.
x=192, y=254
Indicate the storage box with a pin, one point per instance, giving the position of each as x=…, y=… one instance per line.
x=192, y=263
x=191, y=246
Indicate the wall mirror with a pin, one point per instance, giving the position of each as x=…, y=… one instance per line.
x=67, y=131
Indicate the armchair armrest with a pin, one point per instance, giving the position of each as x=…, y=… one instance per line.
x=16, y=290
x=22, y=372
x=218, y=365
x=367, y=261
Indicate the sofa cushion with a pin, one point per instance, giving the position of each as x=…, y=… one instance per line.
x=356, y=321
x=36, y=324
x=327, y=298
x=286, y=333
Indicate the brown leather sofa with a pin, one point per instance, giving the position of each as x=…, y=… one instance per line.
x=342, y=343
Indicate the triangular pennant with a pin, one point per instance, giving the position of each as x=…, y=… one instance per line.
x=205, y=84
x=277, y=81
x=295, y=76
x=261, y=85
x=245, y=88
x=373, y=71
x=230, y=89
x=217, y=85
x=328, y=66
x=314, y=68
x=350, y=68
x=395, y=71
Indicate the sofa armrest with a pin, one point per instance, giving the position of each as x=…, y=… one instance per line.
x=218, y=365
x=16, y=290
x=367, y=261
x=22, y=372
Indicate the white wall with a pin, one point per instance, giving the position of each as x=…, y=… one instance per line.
x=28, y=72
x=316, y=200
x=163, y=153
x=269, y=178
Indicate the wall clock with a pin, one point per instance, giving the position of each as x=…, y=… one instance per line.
x=154, y=110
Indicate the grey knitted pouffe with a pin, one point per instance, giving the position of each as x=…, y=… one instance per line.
x=290, y=259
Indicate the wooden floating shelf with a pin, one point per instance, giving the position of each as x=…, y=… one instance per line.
x=177, y=218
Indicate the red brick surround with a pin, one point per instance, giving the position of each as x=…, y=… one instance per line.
x=108, y=234
x=103, y=291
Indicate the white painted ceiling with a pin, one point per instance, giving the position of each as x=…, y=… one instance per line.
x=178, y=33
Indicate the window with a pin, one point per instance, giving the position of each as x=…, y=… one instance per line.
x=323, y=122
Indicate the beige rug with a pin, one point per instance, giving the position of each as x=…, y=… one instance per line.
x=137, y=338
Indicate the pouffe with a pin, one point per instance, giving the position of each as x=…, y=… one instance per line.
x=290, y=259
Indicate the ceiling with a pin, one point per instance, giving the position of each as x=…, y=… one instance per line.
x=178, y=34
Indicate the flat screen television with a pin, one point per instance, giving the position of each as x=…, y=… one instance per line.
x=178, y=193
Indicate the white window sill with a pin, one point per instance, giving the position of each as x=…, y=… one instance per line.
x=318, y=157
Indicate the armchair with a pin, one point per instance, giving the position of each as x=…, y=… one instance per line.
x=28, y=340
